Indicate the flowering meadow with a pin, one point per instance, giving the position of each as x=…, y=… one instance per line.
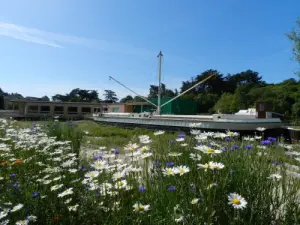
x=159, y=178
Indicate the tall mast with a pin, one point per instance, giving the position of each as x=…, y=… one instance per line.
x=160, y=55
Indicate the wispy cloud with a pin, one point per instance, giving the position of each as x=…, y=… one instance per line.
x=58, y=40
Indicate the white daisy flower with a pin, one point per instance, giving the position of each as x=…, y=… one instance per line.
x=195, y=132
x=4, y=213
x=92, y=174
x=184, y=144
x=180, y=139
x=138, y=207
x=275, y=176
x=121, y=184
x=175, y=154
x=194, y=201
x=32, y=218
x=168, y=171
x=17, y=208
x=237, y=201
x=66, y=192
x=22, y=222
x=99, y=164
x=131, y=147
x=160, y=132
x=73, y=207
x=56, y=187
x=179, y=219
x=181, y=170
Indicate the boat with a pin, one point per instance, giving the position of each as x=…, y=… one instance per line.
x=244, y=120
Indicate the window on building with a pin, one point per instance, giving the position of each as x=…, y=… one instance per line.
x=72, y=110
x=261, y=107
x=97, y=110
x=33, y=109
x=105, y=109
x=115, y=109
x=86, y=110
x=45, y=109
x=58, y=110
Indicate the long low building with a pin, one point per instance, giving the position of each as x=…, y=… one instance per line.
x=37, y=109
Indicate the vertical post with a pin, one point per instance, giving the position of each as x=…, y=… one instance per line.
x=159, y=83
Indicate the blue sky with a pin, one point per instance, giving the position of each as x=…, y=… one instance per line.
x=53, y=46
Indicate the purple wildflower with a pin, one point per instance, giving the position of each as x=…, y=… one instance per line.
x=98, y=157
x=228, y=139
x=115, y=151
x=265, y=142
x=248, y=147
x=142, y=189
x=181, y=135
x=170, y=164
x=272, y=139
x=172, y=188
x=13, y=175
x=35, y=194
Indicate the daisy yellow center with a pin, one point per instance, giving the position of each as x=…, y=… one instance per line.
x=210, y=150
x=92, y=175
x=170, y=172
x=141, y=207
x=121, y=183
x=236, y=201
x=181, y=171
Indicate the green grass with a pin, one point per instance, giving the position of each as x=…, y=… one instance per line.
x=246, y=172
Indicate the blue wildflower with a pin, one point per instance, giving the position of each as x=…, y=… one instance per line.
x=234, y=147
x=142, y=189
x=171, y=142
x=13, y=175
x=172, y=188
x=98, y=157
x=115, y=151
x=276, y=163
x=228, y=139
x=181, y=135
x=265, y=142
x=35, y=194
x=248, y=147
x=170, y=164
x=272, y=139
x=16, y=184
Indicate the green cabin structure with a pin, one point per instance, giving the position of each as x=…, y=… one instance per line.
x=176, y=107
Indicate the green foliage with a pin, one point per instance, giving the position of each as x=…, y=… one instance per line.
x=153, y=92
x=110, y=96
x=78, y=95
x=294, y=36
x=226, y=104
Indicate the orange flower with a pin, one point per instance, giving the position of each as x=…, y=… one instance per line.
x=19, y=161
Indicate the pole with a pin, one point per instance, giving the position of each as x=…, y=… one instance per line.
x=159, y=83
x=187, y=90
x=132, y=91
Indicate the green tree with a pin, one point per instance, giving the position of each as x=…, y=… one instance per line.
x=128, y=98
x=294, y=36
x=226, y=104
x=110, y=96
